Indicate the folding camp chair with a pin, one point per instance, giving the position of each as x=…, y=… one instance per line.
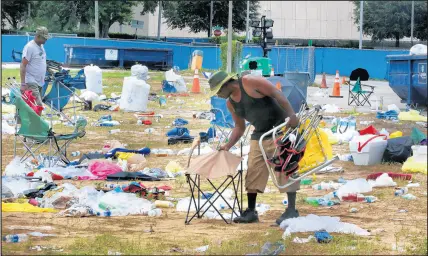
x=231, y=179
x=223, y=121
x=283, y=162
x=357, y=94
x=34, y=133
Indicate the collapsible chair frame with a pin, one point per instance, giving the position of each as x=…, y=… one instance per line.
x=304, y=115
x=33, y=143
x=244, y=139
x=354, y=97
x=195, y=184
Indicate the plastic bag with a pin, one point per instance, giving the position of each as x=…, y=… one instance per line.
x=6, y=192
x=16, y=168
x=332, y=138
x=383, y=181
x=140, y=71
x=418, y=49
x=25, y=207
x=313, y=154
x=411, y=115
x=102, y=168
x=410, y=165
x=398, y=149
x=173, y=167
x=396, y=134
x=417, y=136
x=6, y=128
x=89, y=96
x=353, y=187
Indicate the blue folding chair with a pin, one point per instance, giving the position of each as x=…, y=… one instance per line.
x=223, y=121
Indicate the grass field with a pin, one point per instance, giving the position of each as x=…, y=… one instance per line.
x=392, y=232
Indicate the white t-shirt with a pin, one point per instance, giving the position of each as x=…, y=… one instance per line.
x=36, y=68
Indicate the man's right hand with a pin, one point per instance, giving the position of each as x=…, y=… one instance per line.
x=24, y=87
x=224, y=147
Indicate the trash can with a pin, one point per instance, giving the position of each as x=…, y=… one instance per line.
x=407, y=75
x=294, y=86
x=197, y=57
x=261, y=64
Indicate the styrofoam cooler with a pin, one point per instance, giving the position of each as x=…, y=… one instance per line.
x=368, y=149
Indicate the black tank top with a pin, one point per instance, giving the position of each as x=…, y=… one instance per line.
x=263, y=113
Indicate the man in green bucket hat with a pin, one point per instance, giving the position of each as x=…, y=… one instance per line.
x=255, y=99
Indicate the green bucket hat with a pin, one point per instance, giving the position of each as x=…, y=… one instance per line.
x=43, y=32
x=217, y=80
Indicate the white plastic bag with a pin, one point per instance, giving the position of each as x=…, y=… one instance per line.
x=418, y=49
x=354, y=187
x=140, y=71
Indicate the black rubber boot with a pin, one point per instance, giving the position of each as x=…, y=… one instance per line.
x=288, y=214
x=248, y=216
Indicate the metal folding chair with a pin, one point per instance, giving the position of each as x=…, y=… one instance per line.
x=196, y=193
x=357, y=94
x=291, y=145
x=34, y=133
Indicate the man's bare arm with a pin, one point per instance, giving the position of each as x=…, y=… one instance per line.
x=23, y=69
x=239, y=129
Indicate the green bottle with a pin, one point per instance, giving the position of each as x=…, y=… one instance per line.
x=306, y=181
x=312, y=201
x=334, y=129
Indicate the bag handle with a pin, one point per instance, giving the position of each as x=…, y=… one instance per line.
x=346, y=128
x=360, y=147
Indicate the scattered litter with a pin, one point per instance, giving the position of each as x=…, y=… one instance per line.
x=330, y=108
x=202, y=248
x=113, y=253
x=346, y=158
x=383, y=181
x=17, y=238
x=354, y=186
x=402, y=211
x=409, y=197
x=413, y=185
x=299, y=240
x=312, y=223
x=39, y=234
x=366, y=122
x=353, y=210
x=323, y=237
x=412, y=115
x=271, y=249
x=45, y=228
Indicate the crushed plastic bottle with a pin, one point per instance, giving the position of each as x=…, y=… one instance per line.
x=114, y=131
x=17, y=238
x=401, y=191
x=154, y=213
x=409, y=196
x=370, y=199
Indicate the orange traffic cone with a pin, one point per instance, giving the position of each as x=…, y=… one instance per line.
x=343, y=81
x=336, y=88
x=278, y=86
x=271, y=72
x=323, y=82
x=196, y=88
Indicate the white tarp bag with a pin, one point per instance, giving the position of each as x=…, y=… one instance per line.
x=176, y=80
x=135, y=91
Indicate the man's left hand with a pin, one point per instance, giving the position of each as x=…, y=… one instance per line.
x=293, y=122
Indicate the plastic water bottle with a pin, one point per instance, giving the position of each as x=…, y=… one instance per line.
x=330, y=196
x=164, y=204
x=106, y=213
x=401, y=191
x=370, y=199
x=384, y=132
x=312, y=201
x=306, y=181
x=75, y=153
x=409, y=197
x=285, y=201
x=114, y=131
x=15, y=238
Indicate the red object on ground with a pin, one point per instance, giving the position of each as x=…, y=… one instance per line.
x=56, y=176
x=401, y=176
x=369, y=130
x=182, y=94
x=353, y=198
x=147, y=122
x=165, y=187
x=33, y=202
x=31, y=101
x=146, y=114
x=30, y=174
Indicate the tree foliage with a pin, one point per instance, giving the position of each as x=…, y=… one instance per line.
x=196, y=14
x=13, y=12
x=391, y=19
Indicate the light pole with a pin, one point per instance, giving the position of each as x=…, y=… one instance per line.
x=412, y=22
x=361, y=25
x=247, y=38
x=229, y=39
x=211, y=18
x=159, y=19
x=97, y=26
